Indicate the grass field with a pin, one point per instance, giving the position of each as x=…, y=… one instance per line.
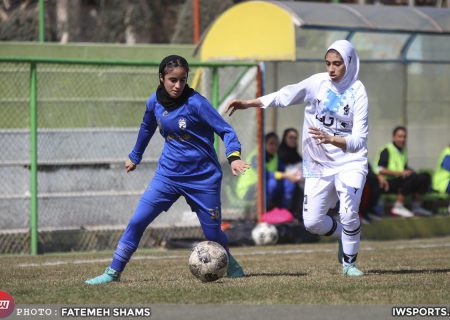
x=397, y=272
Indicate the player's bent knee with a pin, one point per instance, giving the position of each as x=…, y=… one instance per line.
x=315, y=226
x=135, y=226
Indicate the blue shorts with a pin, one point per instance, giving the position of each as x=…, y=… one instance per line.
x=159, y=197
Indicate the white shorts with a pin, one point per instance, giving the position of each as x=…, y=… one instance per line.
x=322, y=194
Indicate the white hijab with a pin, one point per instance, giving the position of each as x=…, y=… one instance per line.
x=351, y=61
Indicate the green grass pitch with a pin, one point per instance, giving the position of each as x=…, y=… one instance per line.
x=397, y=272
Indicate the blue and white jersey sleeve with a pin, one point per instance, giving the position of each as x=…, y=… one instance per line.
x=146, y=131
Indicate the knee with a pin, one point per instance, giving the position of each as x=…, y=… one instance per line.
x=134, y=224
x=424, y=178
x=315, y=226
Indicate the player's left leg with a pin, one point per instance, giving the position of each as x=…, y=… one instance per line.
x=207, y=205
x=157, y=198
x=349, y=186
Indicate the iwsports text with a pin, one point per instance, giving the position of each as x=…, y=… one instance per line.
x=421, y=311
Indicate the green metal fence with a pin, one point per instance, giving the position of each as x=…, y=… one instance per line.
x=66, y=127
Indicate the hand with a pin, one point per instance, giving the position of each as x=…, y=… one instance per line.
x=239, y=167
x=234, y=105
x=406, y=173
x=322, y=137
x=129, y=165
x=293, y=176
x=383, y=183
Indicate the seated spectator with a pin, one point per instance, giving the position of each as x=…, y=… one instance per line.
x=441, y=177
x=392, y=163
x=375, y=183
x=280, y=185
x=289, y=155
x=288, y=150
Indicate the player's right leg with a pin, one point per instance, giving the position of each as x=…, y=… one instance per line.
x=157, y=198
x=208, y=209
x=320, y=195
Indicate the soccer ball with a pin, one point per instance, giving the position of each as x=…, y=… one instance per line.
x=264, y=234
x=208, y=261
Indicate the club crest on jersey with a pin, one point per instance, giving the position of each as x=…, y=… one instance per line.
x=346, y=110
x=182, y=123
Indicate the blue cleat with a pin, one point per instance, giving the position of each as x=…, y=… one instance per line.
x=108, y=276
x=352, y=271
x=234, y=268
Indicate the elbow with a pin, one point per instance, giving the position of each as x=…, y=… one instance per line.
x=145, y=126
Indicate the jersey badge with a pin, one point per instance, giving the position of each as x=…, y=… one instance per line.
x=346, y=110
x=182, y=123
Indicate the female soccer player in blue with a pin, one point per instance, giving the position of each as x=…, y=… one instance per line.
x=188, y=165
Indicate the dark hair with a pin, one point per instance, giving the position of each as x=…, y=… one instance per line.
x=170, y=62
x=398, y=128
x=271, y=135
x=286, y=131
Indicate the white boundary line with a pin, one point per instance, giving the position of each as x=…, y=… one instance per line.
x=262, y=252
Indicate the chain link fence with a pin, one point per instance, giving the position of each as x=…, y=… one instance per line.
x=88, y=117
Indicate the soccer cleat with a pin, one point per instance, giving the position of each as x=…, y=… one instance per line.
x=400, y=210
x=234, y=268
x=340, y=254
x=352, y=271
x=109, y=275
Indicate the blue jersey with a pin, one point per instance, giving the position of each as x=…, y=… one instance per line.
x=188, y=157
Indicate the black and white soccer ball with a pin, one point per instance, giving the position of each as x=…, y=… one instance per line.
x=264, y=234
x=208, y=261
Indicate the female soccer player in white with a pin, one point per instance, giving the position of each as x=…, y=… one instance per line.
x=334, y=145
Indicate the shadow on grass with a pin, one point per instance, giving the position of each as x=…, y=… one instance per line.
x=407, y=271
x=275, y=274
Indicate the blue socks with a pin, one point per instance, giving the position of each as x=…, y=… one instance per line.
x=121, y=256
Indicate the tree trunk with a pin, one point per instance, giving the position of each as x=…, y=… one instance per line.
x=62, y=20
x=130, y=35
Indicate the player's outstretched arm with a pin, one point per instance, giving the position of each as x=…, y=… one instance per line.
x=234, y=105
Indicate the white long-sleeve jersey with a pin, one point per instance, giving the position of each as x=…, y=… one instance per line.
x=340, y=114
